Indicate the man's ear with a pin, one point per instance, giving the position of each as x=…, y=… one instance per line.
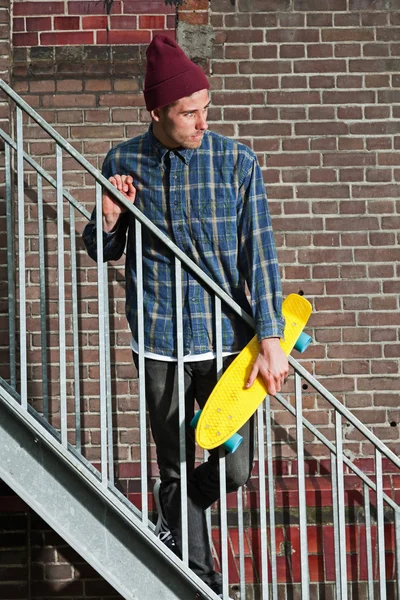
x=155, y=114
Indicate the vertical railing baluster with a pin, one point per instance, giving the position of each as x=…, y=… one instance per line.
x=141, y=373
x=397, y=549
x=242, y=570
x=182, y=412
x=208, y=510
x=336, y=538
x=10, y=269
x=263, y=504
x=271, y=497
x=107, y=375
x=42, y=287
x=305, y=577
x=380, y=525
x=341, y=507
x=102, y=344
x=61, y=297
x=21, y=261
x=368, y=543
x=222, y=464
x=75, y=329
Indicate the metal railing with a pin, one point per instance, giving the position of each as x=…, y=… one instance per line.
x=46, y=369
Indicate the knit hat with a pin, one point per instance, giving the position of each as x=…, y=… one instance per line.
x=170, y=74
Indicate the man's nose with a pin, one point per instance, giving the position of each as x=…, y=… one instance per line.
x=202, y=123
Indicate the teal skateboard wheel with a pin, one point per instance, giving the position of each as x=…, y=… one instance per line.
x=233, y=443
x=195, y=419
x=302, y=343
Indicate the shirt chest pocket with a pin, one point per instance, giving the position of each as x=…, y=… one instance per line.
x=212, y=220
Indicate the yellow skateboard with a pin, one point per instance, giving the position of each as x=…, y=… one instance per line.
x=230, y=404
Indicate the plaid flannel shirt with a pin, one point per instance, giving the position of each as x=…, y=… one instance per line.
x=212, y=203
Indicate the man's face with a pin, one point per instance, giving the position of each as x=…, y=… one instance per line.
x=182, y=124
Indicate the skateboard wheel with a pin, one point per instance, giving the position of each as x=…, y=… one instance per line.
x=302, y=342
x=233, y=443
x=195, y=419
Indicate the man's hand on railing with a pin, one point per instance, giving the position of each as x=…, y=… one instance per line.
x=272, y=364
x=112, y=209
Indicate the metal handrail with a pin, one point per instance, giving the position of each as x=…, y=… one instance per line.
x=264, y=414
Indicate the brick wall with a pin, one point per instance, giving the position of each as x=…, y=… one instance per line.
x=77, y=22
x=313, y=88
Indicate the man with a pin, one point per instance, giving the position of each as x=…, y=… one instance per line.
x=207, y=194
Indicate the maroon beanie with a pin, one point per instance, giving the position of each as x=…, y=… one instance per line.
x=170, y=74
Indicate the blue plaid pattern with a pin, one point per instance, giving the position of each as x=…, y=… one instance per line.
x=211, y=202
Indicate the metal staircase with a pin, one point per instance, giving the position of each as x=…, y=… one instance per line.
x=46, y=417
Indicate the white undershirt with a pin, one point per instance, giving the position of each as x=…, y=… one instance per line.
x=187, y=358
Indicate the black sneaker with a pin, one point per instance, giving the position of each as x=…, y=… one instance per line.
x=162, y=530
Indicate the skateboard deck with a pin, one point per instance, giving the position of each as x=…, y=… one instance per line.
x=230, y=404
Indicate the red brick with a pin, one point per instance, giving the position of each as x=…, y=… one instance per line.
x=264, y=66
x=151, y=22
x=320, y=191
x=293, y=81
x=291, y=36
x=324, y=128
x=319, y=50
x=270, y=51
x=347, y=20
x=88, y=7
x=376, y=50
x=291, y=51
x=123, y=22
x=322, y=81
x=318, y=66
x=193, y=18
x=287, y=20
x=348, y=159
x=94, y=22
x=293, y=98
x=69, y=101
x=38, y=8
x=240, y=36
x=344, y=50
x=18, y=24
x=320, y=5
x=66, y=23
x=347, y=35
x=374, y=65
x=25, y=39
x=38, y=24
x=123, y=37
x=148, y=7
x=195, y=5
x=66, y=39
x=319, y=20
x=363, y=97
x=119, y=100
x=349, y=81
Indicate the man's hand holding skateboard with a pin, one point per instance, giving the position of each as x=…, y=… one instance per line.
x=272, y=364
x=112, y=209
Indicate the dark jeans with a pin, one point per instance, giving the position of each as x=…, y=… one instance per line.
x=203, y=481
